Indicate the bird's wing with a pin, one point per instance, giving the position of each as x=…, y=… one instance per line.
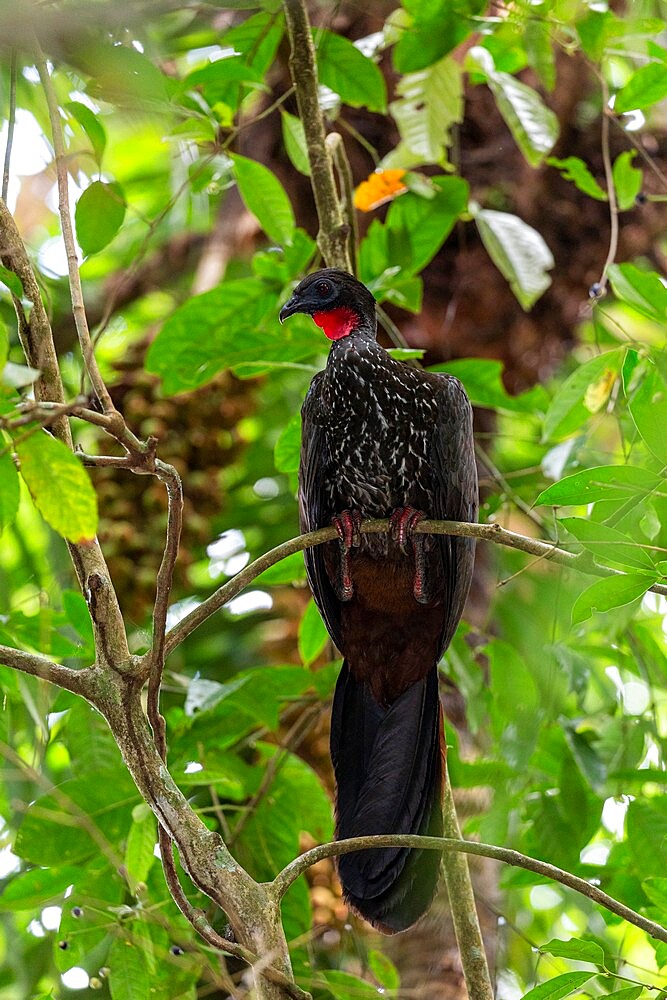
x=314, y=511
x=455, y=495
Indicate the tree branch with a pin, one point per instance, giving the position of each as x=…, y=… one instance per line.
x=462, y=906
x=487, y=532
x=332, y=238
x=291, y=872
x=77, y=681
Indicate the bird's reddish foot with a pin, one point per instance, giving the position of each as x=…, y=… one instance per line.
x=347, y=524
x=403, y=521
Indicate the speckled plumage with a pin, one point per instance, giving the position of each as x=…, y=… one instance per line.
x=377, y=437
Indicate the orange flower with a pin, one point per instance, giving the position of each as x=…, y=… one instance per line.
x=381, y=186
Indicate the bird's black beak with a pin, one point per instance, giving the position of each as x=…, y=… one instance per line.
x=293, y=305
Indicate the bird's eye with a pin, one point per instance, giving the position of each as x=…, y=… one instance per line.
x=323, y=289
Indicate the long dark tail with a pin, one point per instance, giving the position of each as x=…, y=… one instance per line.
x=388, y=766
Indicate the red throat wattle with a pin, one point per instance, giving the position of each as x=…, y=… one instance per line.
x=337, y=323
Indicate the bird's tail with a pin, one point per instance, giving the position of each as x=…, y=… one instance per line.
x=389, y=768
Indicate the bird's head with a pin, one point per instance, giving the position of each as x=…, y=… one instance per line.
x=337, y=302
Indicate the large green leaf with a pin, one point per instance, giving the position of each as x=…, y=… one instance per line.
x=59, y=485
x=129, y=975
x=559, y=987
x=576, y=949
x=343, y=68
x=265, y=197
x=99, y=215
x=518, y=251
x=415, y=229
x=608, y=545
x=211, y=332
x=643, y=290
x=482, y=380
x=533, y=125
x=611, y=592
x=429, y=103
x=646, y=86
x=648, y=409
x=33, y=888
x=604, y=482
x=431, y=29
x=312, y=636
x=52, y=833
x=582, y=394
x=140, y=846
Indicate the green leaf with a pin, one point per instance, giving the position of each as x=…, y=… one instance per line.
x=627, y=179
x=648, y=409
x=583, y=393
x=343, y=68
x=91, y=125
x=608, y=544
x=384, y=970
x=13, y=282
x=30, y=890
x=482, y=381
x=141, y=840
x=98, y=216
x=406, y=353
x=211, y=332
x=627, y=993
x=216, y=79
x=611, y=592
x=559, y=987
x=646, y=86
x=656, y=890
x=288, y=446
x=59, y=485
x=122, y=75
x=50, y=833
x=312, y=634
x=518, y=251
x=289, y=570
x=643, y=290
x=605, y=482
x=539, y=50
x=429, y=103
x=432, y=30
x=129, y=975
x=294, y=138
x=575, y=949
x=345, y=986
x=533, y=125
x=265, y=197
x=9, y=486
x=414, y=231
x=575, y=170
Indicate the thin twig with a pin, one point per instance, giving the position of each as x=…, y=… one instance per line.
x=336, y=147
x=611, y=189
x=78, y=308
x=11, y=121
x=487, y=532
x=291, y=872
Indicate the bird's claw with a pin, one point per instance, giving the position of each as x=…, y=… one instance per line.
x=347, y=525
x=403, y=521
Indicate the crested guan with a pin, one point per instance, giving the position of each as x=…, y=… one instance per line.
x=381, y=439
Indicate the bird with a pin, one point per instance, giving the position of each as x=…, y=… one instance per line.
x=382, y=439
